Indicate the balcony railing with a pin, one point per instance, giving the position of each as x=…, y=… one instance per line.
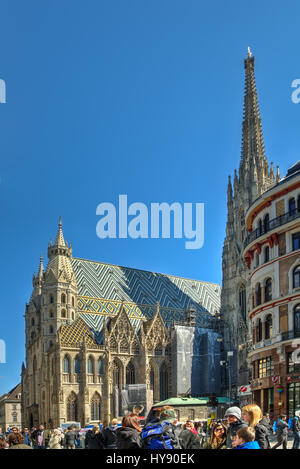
x=290, y=335
x=271, y=225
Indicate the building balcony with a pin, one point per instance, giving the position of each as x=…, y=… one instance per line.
x=266, y=342
x=276, y=339
x=289, y=335
x=271, y=225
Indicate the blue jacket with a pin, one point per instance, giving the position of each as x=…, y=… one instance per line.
x=249, y=445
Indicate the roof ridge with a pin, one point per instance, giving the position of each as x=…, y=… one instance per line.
x=143, y=270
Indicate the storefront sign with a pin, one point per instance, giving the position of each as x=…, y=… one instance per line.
x=243, y=390
x=293, y=378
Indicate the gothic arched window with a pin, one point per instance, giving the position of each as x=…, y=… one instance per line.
x=100, y=366
x=51, y=299
x=90, y=365
x=63, y=298
x=96, y=407
x=50, y=329
x=63, y=313
x=72, y=408
x=268, y=326
x=268, y=290
x=296, y=277
x=116, y=374
x=130, y=373
x=66, y=364
x=77, y=365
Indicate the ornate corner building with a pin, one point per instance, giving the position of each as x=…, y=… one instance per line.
x=93, y=328
x=260, y=301
x=271, y=251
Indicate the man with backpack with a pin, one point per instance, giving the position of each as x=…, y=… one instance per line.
x=159, y=433
x=281, y=432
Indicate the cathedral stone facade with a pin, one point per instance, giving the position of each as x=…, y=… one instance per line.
x=93, y=328
x=253, y=179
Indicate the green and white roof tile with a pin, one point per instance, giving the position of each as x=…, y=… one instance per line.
x=101, y=287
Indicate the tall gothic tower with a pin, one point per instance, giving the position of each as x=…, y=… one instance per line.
x=253, y=179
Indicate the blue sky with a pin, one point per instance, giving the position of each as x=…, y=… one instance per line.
x=135, y=97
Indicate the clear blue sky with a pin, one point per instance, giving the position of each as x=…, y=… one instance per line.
x=130, y=97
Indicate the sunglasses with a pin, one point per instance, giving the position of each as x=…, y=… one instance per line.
x=219, y=429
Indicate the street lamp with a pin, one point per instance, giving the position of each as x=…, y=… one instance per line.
x=228, y=364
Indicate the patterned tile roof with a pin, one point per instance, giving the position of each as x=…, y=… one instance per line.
x=101, y=288
x=73, y=334
x=97, y=280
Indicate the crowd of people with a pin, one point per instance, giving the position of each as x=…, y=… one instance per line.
x=244, y=428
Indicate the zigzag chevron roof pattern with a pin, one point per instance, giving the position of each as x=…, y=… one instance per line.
x=98, y=280
x=101, y=287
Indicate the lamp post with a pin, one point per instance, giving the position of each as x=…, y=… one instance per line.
x=228, y=364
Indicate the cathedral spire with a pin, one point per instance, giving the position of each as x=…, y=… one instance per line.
x=229, y=192
x=41, y=268
x=59, y=241
x=252, y=135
